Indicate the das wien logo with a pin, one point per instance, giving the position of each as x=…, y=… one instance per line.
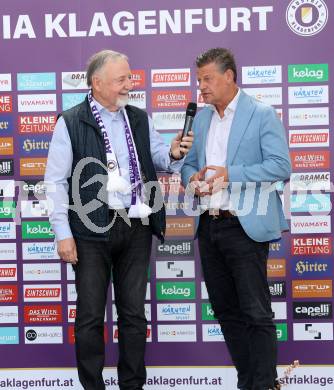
x=306, y=17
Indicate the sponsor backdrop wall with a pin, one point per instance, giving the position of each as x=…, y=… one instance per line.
x=283, y=53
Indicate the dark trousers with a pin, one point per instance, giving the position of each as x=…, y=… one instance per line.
x=235, y=273
x=127, y=254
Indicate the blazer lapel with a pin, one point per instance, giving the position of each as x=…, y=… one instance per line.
x=242, y=116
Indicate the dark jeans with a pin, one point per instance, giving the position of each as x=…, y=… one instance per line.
x=235, y=273
x=127, y=254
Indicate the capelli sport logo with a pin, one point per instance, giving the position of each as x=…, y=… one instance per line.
x=307, y=17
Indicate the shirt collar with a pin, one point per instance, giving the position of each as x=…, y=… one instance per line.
x=101, y=109
x=231, y=107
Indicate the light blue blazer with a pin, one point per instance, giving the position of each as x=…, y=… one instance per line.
x=257, y=157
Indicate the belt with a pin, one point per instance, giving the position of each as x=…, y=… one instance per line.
x=219, y=214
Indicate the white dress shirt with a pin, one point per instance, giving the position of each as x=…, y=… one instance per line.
x=216, y=152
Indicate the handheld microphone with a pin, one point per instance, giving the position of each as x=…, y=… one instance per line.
x=190, y=113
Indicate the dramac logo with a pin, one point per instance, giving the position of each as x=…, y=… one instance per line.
x=74, y=80
x=169, y=120
x=170, y=77
x=6, y=103
x=311, y=246
x=32, y=166
x=319, y=159
x=308, y=138
x=312, y=288
x=310, y=181
x=36, y=123
x=138, y=99
x=184, y=248
x=312, y=310
x=42, y=314
x=307, y=17
x=176, y=311
x=171, y=98
x=8, y=293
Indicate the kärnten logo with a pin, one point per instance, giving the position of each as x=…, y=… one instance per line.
x=307, y=17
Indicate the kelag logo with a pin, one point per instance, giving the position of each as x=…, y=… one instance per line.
x=6, y=124
x=35, y=146
x=36, y=229
x=307, y=73
x=175, y=248
x=175, y=290
x=7, y=209
x=312, y=310
x=207, y=312
x=36, y=81
x=36, y=123
x=312, y=268
x=281, y=331
x=311, y=246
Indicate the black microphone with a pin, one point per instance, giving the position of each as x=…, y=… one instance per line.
x=190, y=113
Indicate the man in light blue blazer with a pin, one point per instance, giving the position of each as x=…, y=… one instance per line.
x=240, y=152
